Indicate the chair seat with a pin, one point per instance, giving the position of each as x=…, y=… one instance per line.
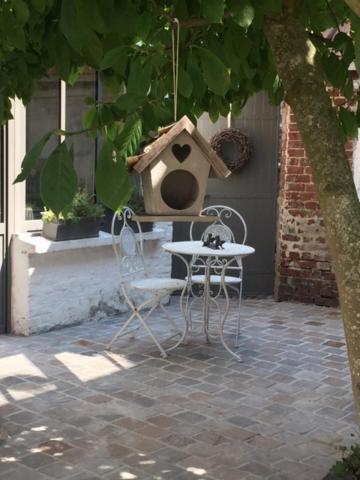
x=158, y=284
x=215, y=279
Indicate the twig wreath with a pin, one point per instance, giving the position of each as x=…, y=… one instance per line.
x=233, y=147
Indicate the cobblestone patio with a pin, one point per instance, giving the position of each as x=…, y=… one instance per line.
x=71, y=410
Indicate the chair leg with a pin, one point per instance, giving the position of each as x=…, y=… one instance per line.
x=169, y=318
x=187, y=310
x=135, y=331
x=148, y=329
x=120, y=332
x=134, y=314
x=237, y=339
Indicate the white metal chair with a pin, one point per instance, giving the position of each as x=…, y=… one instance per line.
x=233, y=277
x=129, y=253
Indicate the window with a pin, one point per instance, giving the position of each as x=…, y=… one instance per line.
x=84, y=145
x=42, y=115
x=2, y=177
x=58, y=106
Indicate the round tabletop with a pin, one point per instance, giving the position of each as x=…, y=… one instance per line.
x=196, y=248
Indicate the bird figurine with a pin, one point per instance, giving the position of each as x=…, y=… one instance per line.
x=213, y=242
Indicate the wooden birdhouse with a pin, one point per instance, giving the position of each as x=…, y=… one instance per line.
x=175, y=170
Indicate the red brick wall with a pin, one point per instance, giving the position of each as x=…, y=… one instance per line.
x=304, y=271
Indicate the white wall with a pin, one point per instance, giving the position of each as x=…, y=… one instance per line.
x=55, y=284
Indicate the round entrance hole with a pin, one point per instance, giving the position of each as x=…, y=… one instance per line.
x=179, y=189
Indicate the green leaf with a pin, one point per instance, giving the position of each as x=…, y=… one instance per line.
x=112, y=180
x=323, y=14
x=92, y=49
x=335, y=70
x=193, y=68
x=216, y=74
x=90, y=15
x=5, y=109
x=213, y=111
x=237, y=106
x=113, y=57
x=213, y=10
x=39, y=5
x=348, y=122
x=185, y=83
x=139, y=76
x=244, y=14
x=13, y=31
x=105, y=115
x=30, y=160
x=60, y=51
x=357, y=51
x=21, y=11
x=348, y=89
x=149, y=119
x=144, y=24
x=73, y=76
x=128, y=140
x=89, y=118
x=130, y=101
x=90, y=100
x=58, y=182
x=70, y=25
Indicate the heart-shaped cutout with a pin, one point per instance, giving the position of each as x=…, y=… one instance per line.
x=181, y=152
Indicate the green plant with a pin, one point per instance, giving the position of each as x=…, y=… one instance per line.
x=349, y=465
x=136, y=202
x=82, y=206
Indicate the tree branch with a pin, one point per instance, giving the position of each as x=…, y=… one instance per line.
x=354, y=5
x=195, y=22
x=202, y=22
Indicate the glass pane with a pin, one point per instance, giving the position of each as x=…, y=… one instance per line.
x=84, y=145
x=42, y=115
x=2, y=179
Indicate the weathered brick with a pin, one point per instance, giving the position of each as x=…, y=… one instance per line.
x=304, y=270
x=294, y=169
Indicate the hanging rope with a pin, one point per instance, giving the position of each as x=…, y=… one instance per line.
x=175, y=60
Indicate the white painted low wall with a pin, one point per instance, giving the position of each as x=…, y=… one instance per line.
x=55, y=284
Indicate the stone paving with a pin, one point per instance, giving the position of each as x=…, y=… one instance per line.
x=71, y=410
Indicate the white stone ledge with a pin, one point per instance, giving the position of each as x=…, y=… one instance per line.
x=55, y=284
x=35, y=243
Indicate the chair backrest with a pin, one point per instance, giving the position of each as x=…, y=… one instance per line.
x=229, y=220
x=127, y=244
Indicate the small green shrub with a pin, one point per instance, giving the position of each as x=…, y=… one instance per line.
x=82, y=206
x=349, y=465
x=136, y=202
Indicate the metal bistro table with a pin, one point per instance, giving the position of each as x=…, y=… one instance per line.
x=212, y=259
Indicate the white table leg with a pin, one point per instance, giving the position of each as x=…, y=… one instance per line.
x=225, y=316
x=206, y=301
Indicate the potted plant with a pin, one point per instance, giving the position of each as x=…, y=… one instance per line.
x=81, y=220
x=136, y=203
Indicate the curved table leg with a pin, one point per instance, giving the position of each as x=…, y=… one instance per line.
x=225, y=316
x=185, y=309
x=206, y=296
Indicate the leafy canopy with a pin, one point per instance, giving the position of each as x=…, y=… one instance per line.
x=224, y=59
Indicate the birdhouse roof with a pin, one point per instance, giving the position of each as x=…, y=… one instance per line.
x=140, y=162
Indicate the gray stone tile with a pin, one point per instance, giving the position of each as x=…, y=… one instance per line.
x=199, y=414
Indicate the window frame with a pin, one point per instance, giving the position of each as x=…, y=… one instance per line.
x=16, y=141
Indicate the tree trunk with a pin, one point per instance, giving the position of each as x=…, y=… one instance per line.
x=305, y=92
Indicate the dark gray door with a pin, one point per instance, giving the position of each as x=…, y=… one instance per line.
x=3, y=242
x=252, y=192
